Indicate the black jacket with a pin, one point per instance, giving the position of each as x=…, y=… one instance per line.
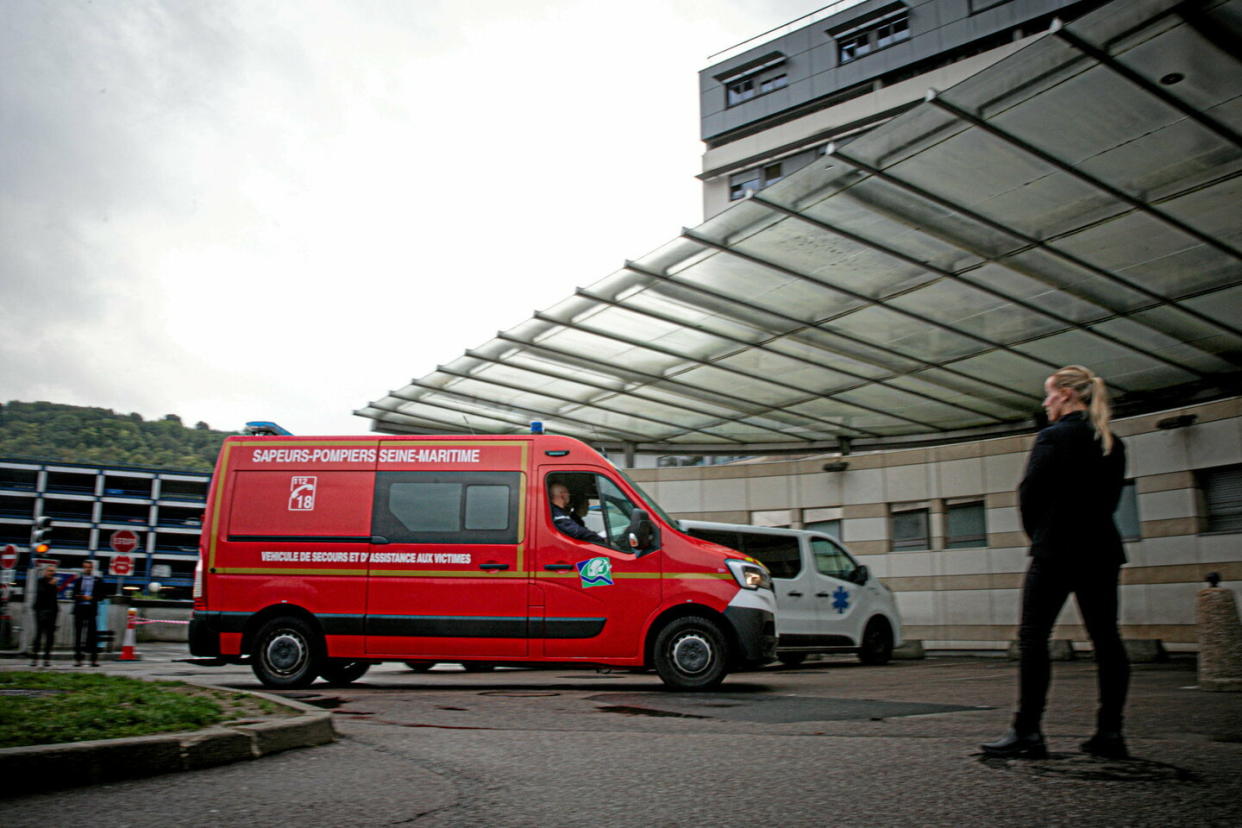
x=1069, y=493
x=46, y=595
x=82, y=605
x=569, y=523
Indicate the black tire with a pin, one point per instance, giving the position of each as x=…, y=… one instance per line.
x=691, y=654
x=343, y=671
x=791, y=659
x=877, y=643
x=478, y=666
x=420, y=666
x=287, y=654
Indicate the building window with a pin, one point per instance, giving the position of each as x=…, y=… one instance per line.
x=758, y=77
x=750, y=181
x=910, y=530
x=871, y=37
x=1222, y=498
x=1126, y=516
x=831, y=528
x=966, y=526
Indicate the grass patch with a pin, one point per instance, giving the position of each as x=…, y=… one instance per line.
x=47, y=708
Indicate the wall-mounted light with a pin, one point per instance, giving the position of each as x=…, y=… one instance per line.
x=836, y=466
x=1180, y=421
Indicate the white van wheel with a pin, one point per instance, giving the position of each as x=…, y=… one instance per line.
x=285, y=654
x=877, y=643
x=691, y=654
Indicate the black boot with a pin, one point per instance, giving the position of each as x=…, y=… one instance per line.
x=1015, y=745
x=1106, y=744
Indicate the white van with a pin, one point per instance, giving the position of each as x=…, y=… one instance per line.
x=825, y=600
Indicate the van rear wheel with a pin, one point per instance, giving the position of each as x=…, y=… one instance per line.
x=286, y=654
x=691, y=654
x=343, y=671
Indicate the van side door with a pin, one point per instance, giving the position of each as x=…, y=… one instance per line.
x=446, y=576
x=592, y=596
x=839, y=601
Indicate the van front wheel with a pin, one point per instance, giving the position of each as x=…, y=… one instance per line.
x=877, y=643
x=286, y=654
x=691, y=654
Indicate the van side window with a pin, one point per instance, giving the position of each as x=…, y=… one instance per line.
x=779, y=553
x=600, y=504
x=447, y=507
x=729, y=539
x=831, y=559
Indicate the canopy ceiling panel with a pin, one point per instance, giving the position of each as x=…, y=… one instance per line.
x=1077, y=201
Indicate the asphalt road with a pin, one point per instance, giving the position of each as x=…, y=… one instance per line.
x=829, y=743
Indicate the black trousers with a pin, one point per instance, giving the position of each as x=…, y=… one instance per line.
x=1047, y=585
x=45, y=631
x=85, y=626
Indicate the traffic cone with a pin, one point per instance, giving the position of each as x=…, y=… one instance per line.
x=127, y=645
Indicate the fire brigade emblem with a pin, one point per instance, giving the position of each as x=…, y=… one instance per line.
x=595, y=572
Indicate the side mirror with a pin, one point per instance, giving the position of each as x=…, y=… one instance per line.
x=861, y=574
x=643, y=535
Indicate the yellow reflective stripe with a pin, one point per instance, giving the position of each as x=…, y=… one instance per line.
x=270, y=571
x=457, y=573
x=217, y=499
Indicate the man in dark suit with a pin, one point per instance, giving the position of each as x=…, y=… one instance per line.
x=1067, y=497
x=86, y=593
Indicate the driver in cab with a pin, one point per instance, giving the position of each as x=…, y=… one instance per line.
x=564, y=519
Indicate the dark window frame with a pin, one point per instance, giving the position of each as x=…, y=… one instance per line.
x=1220, y=492
x=856, y=43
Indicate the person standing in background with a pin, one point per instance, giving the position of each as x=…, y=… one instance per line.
x=86, y=593
x=1067, y=497
x=46, y=609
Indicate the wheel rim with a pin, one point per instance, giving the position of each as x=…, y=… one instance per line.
x=875, y=641
x=691, y=653
x=285, y=653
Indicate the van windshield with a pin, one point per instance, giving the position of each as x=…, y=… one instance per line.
x=665, y=516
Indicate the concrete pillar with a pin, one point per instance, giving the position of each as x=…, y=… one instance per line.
x=1220, y=639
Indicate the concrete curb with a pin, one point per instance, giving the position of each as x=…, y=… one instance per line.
x=47, y=767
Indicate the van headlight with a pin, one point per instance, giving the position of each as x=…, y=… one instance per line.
x=750, y=575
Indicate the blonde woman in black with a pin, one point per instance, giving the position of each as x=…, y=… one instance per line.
x=1067, y=497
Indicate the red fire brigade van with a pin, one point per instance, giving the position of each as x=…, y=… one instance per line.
x=321, y=556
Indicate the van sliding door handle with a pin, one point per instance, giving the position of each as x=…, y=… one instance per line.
x=378, y=539
x=558, y=567
x=795, y=594
x=821, y=595
x=493, y=566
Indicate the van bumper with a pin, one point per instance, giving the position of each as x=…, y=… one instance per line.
x=755, y=633
x=204, y=635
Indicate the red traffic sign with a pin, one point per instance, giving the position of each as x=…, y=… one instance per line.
x=122, y=565
x=123, y=541
x=8, y=558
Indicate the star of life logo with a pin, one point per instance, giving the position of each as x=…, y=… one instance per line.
x=595, y=572
x=840, y=600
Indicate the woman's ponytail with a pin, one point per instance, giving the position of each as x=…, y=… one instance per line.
x=1092, y=391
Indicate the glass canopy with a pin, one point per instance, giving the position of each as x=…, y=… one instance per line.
x=1077, y=202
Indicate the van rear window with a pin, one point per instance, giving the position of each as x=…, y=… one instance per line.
x=447, y=507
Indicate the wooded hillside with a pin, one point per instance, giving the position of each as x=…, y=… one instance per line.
x=79, y=434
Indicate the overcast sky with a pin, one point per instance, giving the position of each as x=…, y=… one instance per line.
x=281, y=209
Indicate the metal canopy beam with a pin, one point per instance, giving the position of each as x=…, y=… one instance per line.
x=1029, y=243
x=654, y=379
x=801, y=325
x=621, y=434
x=989, y=345
x=1029, y=307
x=835, y=428
x=677, y=427
x=716, y=419
x=937, y=100
x=761, y=346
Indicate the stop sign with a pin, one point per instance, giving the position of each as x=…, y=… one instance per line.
x=8, y=558
x=122, y=565
x=123, y=541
